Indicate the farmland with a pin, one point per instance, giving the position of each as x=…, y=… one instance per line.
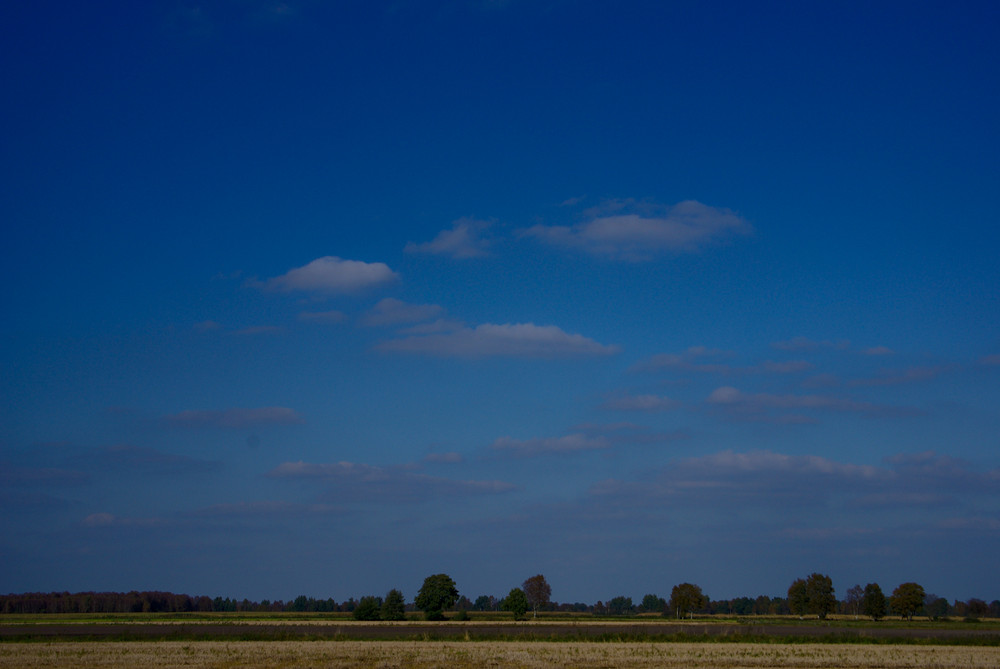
x=462, y=654
x=309, y=641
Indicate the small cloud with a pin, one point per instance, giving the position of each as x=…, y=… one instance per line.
x=990, y=360
x=125, y=457
x=759, y=406
x=359, y=481
x=255, y=330
x=263, y=509
x=640, y=231
x=99, y=520
x=391, y=311
x=40, y=476
x=207, y=326
x=111, y=520
x=332, y=316
x=464, y=240
x=525, y=340
x=694, y=360
x=806, y=344
x=443, y=458
x=236, y=418
x=878, y=350
x=896, y=377
x=435, y=327
x=647, y=403
x=331, y=275
x=571, y=443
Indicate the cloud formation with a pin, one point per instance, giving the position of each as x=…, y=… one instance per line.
x=331, y=275
x=236, y=418
x=524, y=340
x=464, y=240
x=634, y=231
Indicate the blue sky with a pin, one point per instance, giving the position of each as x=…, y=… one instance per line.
x=325, y=297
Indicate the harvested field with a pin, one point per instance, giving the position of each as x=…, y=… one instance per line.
x=528, y=655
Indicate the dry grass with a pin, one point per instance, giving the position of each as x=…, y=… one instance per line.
x=483, y=655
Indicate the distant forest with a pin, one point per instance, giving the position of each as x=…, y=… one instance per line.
x=167, y=602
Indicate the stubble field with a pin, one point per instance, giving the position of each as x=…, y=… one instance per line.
x=483, y=654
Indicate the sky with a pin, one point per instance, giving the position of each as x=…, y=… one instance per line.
x=322, y=298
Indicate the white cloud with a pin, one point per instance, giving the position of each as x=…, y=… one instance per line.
x=692, y=360
x=463, y=240
x=729, y=396
x=487, y=340
x=331, y=275
x=878, y=350
x=391, y=311
x=236, y=418
x=649, y=403
x=626, y=230
x=569, y=443
x=990, y=360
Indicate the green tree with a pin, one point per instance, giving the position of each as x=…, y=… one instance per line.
x=516, y=602
x=537, y=591
x=653, y=604
x=873, y=601
x=812, y=595
x=436, y=594
x=368, y=608
x=620, y=606
x=394, y=606
x=907, y=599
x=686, y=598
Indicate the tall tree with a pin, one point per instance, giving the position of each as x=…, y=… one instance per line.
x=436, y=594
x=516, y=602
x=653, y=604
x=537, y=591
x=368, y=608
x=907, y=599
x=853, y=600
x=873, y=601
x=394, y=606
x=812, y=595
x=686, y=598
x=620, y=606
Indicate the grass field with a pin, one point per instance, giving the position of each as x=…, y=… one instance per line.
x=481, y=655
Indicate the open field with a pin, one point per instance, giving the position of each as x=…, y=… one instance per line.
x=42, y=628
x=482, y=654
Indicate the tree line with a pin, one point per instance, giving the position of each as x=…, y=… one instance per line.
x=812, y=595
